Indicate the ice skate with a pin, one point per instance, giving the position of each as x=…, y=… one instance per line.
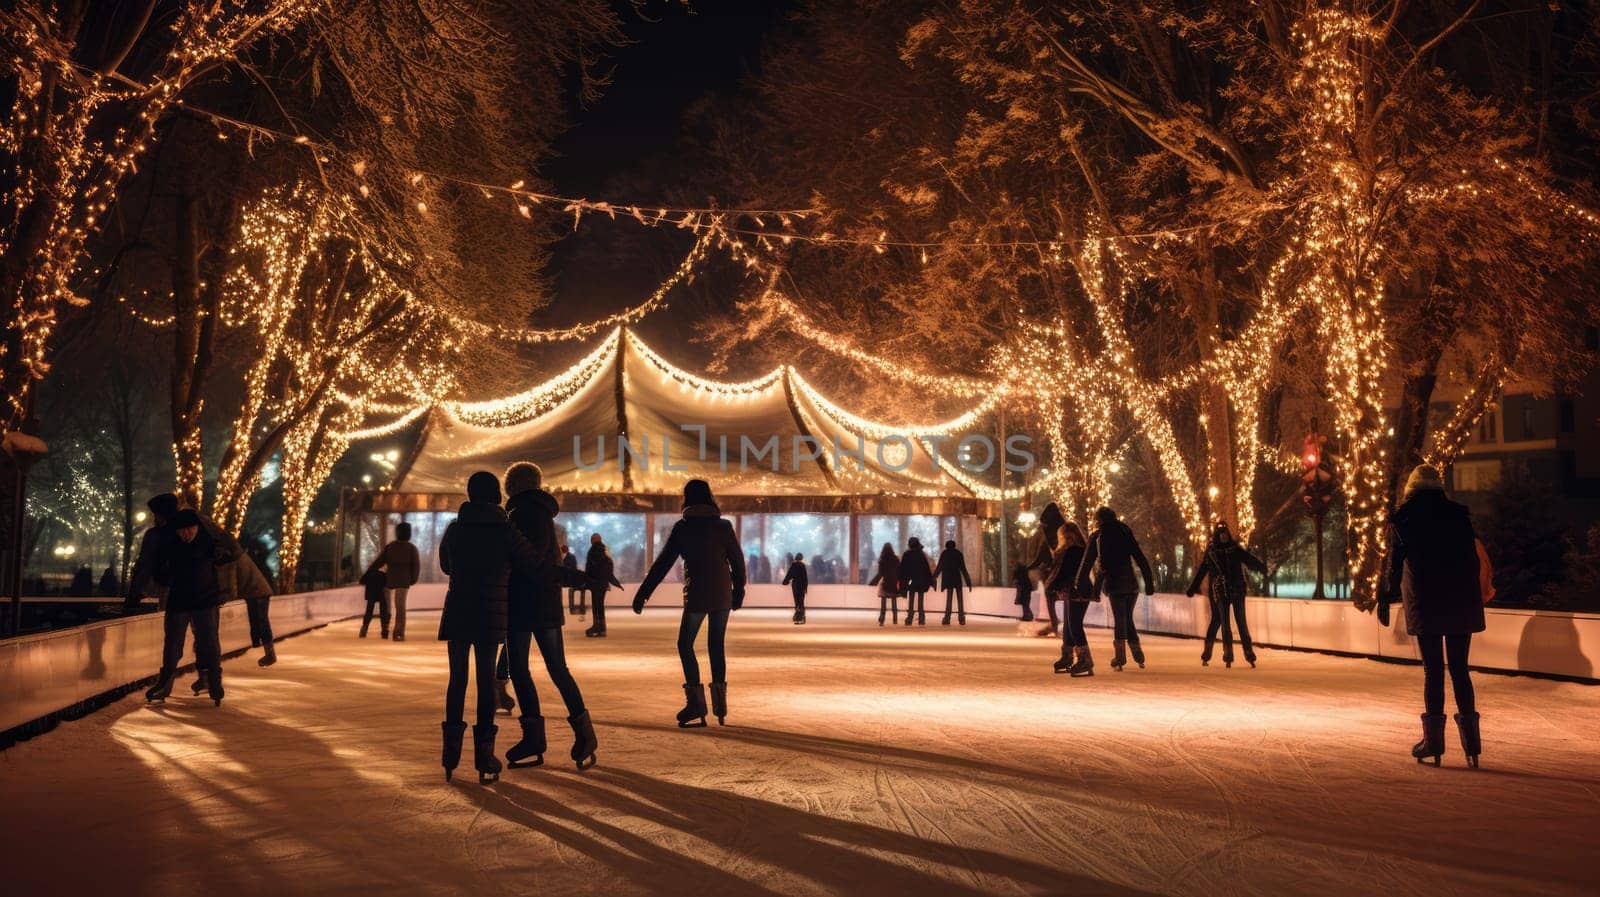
x=1471, y=741
x=503, y=695
x=962, y=619
x=214, y=685
x=450, y=757
x=1137, y=652
x=693, y=714
x=198, y=686
x=719, y=701
x=583, y=740
x=1084, y=666
x=802, y=620
x=1432, y=744
x=483, y=758
x=269, y=656
x=531, y=745
x=594, y=632
x=1068, y=660
x=158, y=692
x=945, y=621
x=1119, y=655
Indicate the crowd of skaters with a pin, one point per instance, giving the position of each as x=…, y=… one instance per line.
x=510, y=576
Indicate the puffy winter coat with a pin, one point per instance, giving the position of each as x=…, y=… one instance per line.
x=1433, y=565
x=952, y=569
x=141, y=580
x=534, y=603
x=401, y=564
x=189, y=569
x=713, y=562
x=796, y=579
x=887, y=579
x=1060, y=584
x=479, y=550
x=243, y=579
x=1222, y=566
x=915, y=573
x=599, y=570
x=1108, y=564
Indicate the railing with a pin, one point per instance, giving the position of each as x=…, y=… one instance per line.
x=63, y=671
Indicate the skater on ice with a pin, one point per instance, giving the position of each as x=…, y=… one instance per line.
x=1107, y=568
x=887, y=579
x=402, y=567
x=1062, y=586
x=713, y=587
x=795, y=579
x=1222, y=569
x=1043, y=550
x=600, y=574
x=185, y=563
x=1439, y=573
x=916, y=578
x=952, y=573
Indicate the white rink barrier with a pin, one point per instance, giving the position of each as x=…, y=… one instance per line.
x=53, y=672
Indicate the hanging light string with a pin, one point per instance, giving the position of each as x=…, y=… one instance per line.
x=671, y=373
x=531, y=403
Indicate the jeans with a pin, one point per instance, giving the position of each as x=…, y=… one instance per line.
x=1219, y=620
x=599, y=609
x=576, y=601
x=399, y=612
x=514, y=666
x=1072, y=631
x=207, y=647
x=914, y=601
x=1122, y=617
x=1434, y=649
x=382, y=605
x=481, y=654
x=1050, y=606
x=689, y=630
x=891, y=604
x=961, y=602
x=260, y=622
x=799, y=598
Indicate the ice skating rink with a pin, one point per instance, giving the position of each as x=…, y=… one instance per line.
x=857, y=760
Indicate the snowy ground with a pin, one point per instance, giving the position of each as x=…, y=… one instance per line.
x=856, y=760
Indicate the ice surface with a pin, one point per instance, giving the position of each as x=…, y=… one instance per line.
x=858, y=760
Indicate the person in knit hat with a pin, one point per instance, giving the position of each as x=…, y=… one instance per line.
x=141, y=581
x=1433, y=569
x=713, y=586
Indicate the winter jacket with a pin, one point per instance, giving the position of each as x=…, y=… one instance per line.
x=372, y=585
x=599, y=570
x=952, y=569
x=141, y=580
x=1433, y=565
x=479, y=550
x=915, y=574
x=1222, y=566
x=189, y=569
x=1107, y=565
x=1061, y=581
x=243, y=579
x=400, y=563
x=796, y=578
x=713, y=562
x=887, y=579
x=535, y=602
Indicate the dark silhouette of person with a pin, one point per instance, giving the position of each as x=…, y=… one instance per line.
x=916, y=577
x=82, y=583
x=109, y=586
x=1222, y=567
x=377, y=597
x=141, y=582
x=1062, y=585
x=478, y=551
x=887, y=579
x=1044, y=552
x=713, y=587
x=796, y=580
x=600, y=571
x=185, y=560
x=577, y=594
x=1433, y=570
x=1108, y=567
x=1024, y=586
x=534, y=617
x=402, y=567
x=951, y=571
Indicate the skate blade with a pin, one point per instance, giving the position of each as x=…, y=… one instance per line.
x=587, y=762
x=525, y=764
x=693, y=724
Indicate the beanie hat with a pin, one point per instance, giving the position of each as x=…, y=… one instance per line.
x=186, y=518
x=523, y=476
x=164, y=505
x=483, y=486
x=1424, y=476
x=697, y=492
x=402, y=531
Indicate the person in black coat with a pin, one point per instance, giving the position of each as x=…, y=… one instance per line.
x=796, y=580
x=534, y=616
x=1024, y=586
x=1433, y=570
x=1044, y=553
x=951, y=572
x=1108, y=567
x=1061, y=584
x=577, y=594
x=887, y=579
x=600, y=574
x=713, y=586
x=916, y=578
x=184, y=562
x=141, y=579
x=109, y=586
x=479, y=551
x=1222, y=567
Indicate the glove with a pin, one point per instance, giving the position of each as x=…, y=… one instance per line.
x=638, y=604
x=738, y=597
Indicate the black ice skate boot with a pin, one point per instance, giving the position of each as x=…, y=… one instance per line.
x=719, y=701
x=1119, y=657
x=450, y=758
x=483, y=758
x=1069, y=659
x=1137, y=652
x=531, y=745
x=158, y=693
x=503, y=695
x=198, y=686
x=214, y=685
x=583, y=740
x=693, y=714
x=269, y=655
x=1432, y=744
x=1084, y=665
x=1471, y=743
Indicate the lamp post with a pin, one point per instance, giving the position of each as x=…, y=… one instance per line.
x=1317, y=482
